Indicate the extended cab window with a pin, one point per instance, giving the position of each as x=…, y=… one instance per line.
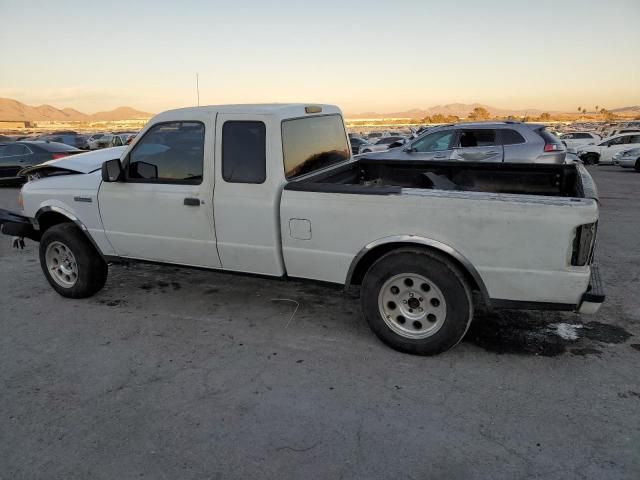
x=313, y=143
x=244, y=152
x=171, y=152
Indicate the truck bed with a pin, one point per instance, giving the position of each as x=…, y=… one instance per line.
x=388, y=177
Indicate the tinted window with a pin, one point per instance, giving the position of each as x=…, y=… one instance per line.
x=433, y=142
x=11, y=150
x=170, y=152
x=547, y=136
x=477, y=138
x=313, y=143
x=581, y=135
x=511, y=137
x=635, y=139
x=244, y=158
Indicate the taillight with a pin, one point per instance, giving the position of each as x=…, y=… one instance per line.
x=56, y=156
x=583, y=244
x=552, y=147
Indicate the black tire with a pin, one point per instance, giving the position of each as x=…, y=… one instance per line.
x=591, y=159
x=91, y=269
x=637, y=165
x=443, y=274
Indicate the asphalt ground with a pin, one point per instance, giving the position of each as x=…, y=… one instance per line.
x=171, y=373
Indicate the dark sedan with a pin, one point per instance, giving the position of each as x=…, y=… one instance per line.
x=72, y=139
x=17, y=155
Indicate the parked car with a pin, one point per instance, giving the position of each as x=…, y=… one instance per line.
x=574, y=140
x=604, y=151
x=356, y=142
x=628, y=159
x=415, y=238
x=382, y=144
x=512, y=142
x=120, y=139
x=92, y=141
x=17, y=155
x=72, y=139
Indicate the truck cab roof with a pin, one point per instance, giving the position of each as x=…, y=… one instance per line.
x=279, y=110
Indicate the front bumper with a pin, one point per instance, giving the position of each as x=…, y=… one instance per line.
x=16, y=225
x=594, y=297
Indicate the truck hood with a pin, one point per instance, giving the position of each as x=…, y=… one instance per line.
x=81, y=163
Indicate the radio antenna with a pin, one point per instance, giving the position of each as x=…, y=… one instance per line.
x=198, y=88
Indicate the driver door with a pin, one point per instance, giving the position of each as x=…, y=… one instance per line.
x=433, y=146
x=163, y=208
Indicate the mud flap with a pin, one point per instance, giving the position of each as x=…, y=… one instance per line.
x=594, y=297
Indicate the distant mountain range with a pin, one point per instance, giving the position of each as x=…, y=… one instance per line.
x=463, y=110
x=14, y=110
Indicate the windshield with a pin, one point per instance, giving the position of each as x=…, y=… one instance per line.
x=313, y=143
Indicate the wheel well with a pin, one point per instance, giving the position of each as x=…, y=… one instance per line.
x=371, y=256
x=49, y=219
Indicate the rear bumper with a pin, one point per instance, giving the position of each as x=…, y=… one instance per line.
x=16, y=225
x=594, y=297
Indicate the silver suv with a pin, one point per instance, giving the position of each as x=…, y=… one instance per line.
x=512, y=142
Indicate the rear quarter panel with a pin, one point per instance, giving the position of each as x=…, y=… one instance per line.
x=520, y=245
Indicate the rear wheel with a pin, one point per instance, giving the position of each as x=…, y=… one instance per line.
x=417, y=301
x=637, y=165
x=590, y=159
x=70, y=263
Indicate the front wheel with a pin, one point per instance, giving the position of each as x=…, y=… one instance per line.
x=417, y=301
x=590, y=159
x=70, y=263
x=637, y=165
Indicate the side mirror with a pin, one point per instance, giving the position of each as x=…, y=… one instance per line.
x=112, y=170
x=409, y=150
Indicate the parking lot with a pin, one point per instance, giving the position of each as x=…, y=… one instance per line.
x=177, y=373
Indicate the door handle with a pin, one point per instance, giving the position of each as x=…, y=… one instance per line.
x=439, y=156
x=192, y=202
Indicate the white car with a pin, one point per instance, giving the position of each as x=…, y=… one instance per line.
x=120, y=139
x=628, y=159
x=604, y=151
x=574, y=140
x=93, y=140
x=417, y=239
x=382, y=144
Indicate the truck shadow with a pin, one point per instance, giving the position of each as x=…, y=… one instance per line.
x=541, y=333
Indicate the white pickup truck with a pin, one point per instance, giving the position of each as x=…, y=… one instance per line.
x=274, y=190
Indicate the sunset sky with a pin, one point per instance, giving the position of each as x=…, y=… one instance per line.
x=362, y=55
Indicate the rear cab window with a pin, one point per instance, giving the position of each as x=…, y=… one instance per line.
x=310, y=144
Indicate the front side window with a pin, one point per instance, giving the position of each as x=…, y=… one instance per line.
x=244, y=158
x=635, y=139
x=313, y=143
x=434, y=142
x=171, y=152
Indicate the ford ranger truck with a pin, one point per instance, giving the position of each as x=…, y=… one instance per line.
x=274, y=190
